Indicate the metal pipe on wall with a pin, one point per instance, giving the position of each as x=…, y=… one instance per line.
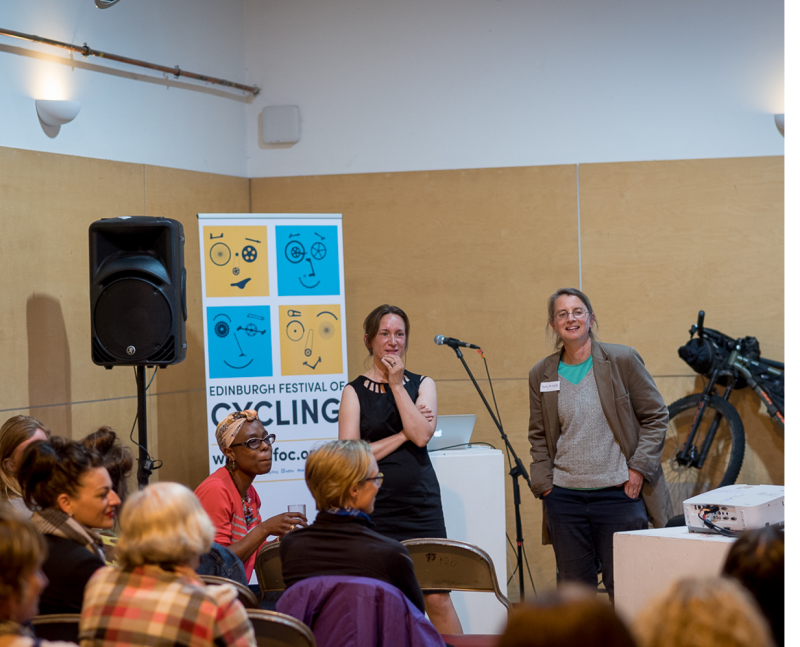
x=87, y=51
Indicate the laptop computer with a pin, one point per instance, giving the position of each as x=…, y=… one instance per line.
x=452, y=430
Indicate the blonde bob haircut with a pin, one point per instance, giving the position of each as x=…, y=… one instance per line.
x=335, y=467
x=163, y=524
x=22, y=551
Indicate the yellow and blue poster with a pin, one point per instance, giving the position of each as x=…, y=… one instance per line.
x=274, y=325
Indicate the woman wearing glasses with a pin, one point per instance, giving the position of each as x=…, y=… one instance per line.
x=228, y=495
x=394, y=410
x=597, y=427
x=343, y=477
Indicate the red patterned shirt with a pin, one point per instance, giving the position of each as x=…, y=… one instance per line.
x=223, y=503
x=148, y=605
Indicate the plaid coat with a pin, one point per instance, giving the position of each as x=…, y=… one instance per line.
x=148, y=605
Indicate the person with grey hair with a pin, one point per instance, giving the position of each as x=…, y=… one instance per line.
x=597, y=427
x=155, y=597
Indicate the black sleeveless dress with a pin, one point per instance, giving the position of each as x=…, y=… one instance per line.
x=409, y=503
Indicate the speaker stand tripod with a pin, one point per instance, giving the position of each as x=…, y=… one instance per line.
x=145, y=462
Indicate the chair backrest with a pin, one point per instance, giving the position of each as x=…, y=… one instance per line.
x=275, y=629
x=358, y=612
x=454, y=565
x=57, y=626
x=269, y=569
x=246, y=596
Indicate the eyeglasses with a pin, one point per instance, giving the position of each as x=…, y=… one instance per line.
x=578, y=313
x=378, y=479
x=255, y=443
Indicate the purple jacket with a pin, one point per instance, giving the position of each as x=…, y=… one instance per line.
x=345, y=611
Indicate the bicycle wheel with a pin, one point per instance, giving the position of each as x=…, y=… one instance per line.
x=725, y=455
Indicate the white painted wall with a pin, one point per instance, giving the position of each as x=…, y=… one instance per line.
x=128, y=113
x=384, y=85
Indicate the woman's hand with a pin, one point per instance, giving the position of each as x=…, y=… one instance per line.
x=426, y=411
x=634, y=483
x=285, y=522
x=394, y=368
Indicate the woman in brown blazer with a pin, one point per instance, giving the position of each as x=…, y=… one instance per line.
x=597, y=428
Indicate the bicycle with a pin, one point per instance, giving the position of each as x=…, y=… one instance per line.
x=705, y=441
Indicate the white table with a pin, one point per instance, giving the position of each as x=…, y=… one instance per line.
x=472, y=481
x=646, y=562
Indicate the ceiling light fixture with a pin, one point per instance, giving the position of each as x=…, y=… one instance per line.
x=779, y=124
x=54, y=114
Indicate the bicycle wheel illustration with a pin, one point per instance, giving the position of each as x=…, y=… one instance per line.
x=725, y=454
x=295, y=252
x=220, y=254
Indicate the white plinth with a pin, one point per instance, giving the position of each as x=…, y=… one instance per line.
x=473, y=498
x=646, y=562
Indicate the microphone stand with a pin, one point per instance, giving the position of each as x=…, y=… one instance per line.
x=516, y=471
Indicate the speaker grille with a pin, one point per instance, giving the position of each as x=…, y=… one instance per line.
x=134, y=314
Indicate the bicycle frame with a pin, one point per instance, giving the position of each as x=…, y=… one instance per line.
x=736, y=364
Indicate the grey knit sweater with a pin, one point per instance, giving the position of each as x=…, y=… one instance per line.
x=587, y=455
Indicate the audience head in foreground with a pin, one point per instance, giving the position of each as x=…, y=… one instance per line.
x=756, y=561
x=703, y=612
x=67, y=486
x=22, y=552
x=156, y=597
x=342, y=542
x=572, y=616
x=337, y=474
x=16, y=434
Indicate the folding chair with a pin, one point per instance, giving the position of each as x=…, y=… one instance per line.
x=275, y=629
x=246, y=596
x=268, y=568
x=453, y=565
x=57, y=626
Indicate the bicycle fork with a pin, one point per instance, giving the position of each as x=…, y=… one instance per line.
x=688, y=456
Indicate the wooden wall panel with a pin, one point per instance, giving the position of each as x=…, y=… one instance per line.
x=470, y=254
x=663, y=240
x=180, y=433
x=48, y=202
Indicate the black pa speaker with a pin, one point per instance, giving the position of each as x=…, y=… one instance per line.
x=137, y=291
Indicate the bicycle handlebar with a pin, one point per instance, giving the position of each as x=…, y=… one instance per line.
x=700, y=318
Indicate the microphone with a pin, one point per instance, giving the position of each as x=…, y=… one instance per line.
x=453, y=343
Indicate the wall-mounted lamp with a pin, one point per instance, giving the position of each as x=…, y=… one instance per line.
x=779, y=123
x=53, y=114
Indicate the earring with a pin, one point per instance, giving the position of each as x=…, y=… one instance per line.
x=232, y=465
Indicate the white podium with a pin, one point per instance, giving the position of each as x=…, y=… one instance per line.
x=646, y=562
x=473, y=498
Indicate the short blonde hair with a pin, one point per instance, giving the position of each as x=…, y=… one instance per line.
x=335, y=467
x=703, y=612
x=163, y=524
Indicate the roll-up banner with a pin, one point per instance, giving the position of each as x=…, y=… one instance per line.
x=274, y=332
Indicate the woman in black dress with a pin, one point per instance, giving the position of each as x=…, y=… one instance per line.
x=395, y=411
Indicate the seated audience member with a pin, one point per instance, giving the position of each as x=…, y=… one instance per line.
x=15, y=435
x=155, y=597
x=229, y=497
x=703, y=612
x=118, y=461
x=343, y=478
x=67, y=486
x=756, y=560
x=572, y=616
x=22, y=551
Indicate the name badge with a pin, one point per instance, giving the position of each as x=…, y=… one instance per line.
x=544, y=387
